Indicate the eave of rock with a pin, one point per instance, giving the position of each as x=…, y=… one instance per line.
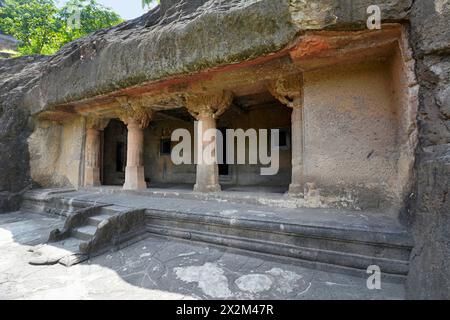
x=187, y=38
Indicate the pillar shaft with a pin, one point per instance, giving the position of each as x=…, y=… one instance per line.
x=289, y=91
x=92, y=158
x=297, y=182
x=206, y=108
x=137, y=117
x=207, y=178
x=134, y=172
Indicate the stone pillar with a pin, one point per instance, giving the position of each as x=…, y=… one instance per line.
x=206, y=109
x=207, y=178
x=297, y=181
x=94, y=127
x=137, y=118
x=289, y=91
x=134, y=172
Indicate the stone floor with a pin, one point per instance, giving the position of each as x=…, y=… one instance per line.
x=160, y=268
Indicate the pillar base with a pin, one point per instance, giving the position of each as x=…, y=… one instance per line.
x=296, y=190
x=92, y=177
x=208, y=188
x=134, y=178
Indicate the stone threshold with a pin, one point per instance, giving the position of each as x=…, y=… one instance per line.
x=218, y=205
x=275, y=197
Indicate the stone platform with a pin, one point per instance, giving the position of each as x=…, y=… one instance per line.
x=161, y=268
x=327, y=239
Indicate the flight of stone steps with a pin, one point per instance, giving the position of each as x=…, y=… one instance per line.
x=87, y=232
x=84, y=236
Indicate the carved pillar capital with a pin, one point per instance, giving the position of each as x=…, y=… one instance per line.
x=133, y=112
x=96, y=123
x=208, y=105
x=288, y=90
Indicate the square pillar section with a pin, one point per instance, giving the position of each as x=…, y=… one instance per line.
x=137, y=118
x=206, y=109
x=94, y=127
x=289, y=91
x=297, y=183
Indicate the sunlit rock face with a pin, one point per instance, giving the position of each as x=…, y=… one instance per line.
x=171, y=40
x=17, y=76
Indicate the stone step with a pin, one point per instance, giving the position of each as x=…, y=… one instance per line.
x=105, y=213
x=112, y=210
x=97, y=219
x=347, y=247
x=52, y=201
x=85, y=233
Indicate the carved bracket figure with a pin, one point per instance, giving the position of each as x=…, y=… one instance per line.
x=203, y=105
x=96, y=123
x=288, y=90
x=134, y=111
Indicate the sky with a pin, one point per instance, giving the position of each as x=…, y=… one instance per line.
x=127, y=9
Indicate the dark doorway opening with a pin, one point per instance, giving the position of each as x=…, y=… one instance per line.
x=120, y=156
x=114, y=153
x=224, y=169
x=165, y=147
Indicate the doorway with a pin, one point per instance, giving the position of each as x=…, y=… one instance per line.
x=224, y=169
x=114, y=153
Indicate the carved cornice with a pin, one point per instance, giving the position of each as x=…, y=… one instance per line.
x=213, y=105
x=134, y=111
x=288, y=90
x=96, y=123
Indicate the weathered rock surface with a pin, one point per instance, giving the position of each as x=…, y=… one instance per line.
x=17, y=77
x=343, y=14
x=181, y=37
x=429, y=22
x=187, y=37
x=429, y=276
x=430, y=264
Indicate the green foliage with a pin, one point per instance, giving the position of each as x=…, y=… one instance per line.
x=93, y=17
x=42, y=28
x=148, y=3
x=33, y=23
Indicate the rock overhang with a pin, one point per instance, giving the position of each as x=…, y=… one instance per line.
x=311, y=51
x=181, y=38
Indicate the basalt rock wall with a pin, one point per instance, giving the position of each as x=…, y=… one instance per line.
x=429, y=275
x=17, y=77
